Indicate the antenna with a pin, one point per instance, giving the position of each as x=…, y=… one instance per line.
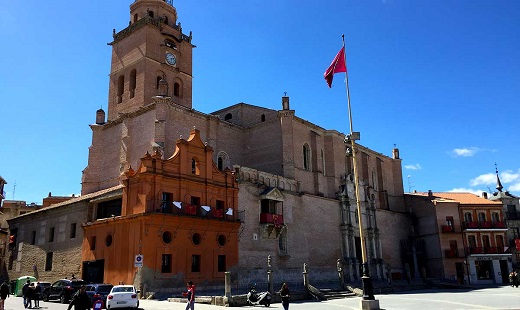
x=410, y=184
x=14, y=188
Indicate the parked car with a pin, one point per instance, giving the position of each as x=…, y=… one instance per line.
x=98, y=291
x=122, y=296
x=62, y=290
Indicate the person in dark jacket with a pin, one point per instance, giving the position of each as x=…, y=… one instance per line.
x=80, y=300
x=4, y=293
x=25, y=291
x=285, y=295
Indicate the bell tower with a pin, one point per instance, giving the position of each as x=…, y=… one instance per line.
x=151, y=48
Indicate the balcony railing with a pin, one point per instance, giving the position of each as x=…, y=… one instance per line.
x=485, y=250
x=188, y=209
x=483, y=225
x=451, y=253
x=449, y=228
x=269, y=218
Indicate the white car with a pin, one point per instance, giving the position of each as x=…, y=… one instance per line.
x=122, y=296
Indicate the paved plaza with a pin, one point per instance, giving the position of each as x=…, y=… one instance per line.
x=503, y=297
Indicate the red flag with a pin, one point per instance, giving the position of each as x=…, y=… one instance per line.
x=337, y=65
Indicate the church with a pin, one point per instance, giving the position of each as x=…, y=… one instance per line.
x=172, y=194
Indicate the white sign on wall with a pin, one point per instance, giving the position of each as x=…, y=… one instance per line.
x=138, y=262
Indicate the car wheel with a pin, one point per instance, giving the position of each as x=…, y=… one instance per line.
x=45, y=297
x=63, y=300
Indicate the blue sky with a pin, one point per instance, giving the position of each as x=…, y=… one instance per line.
x=439, y=79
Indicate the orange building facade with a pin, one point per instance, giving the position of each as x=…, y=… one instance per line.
x=178, y=221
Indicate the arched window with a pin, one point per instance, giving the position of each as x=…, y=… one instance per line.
x=165, y=19
x=262, y=118
x=120, y=88
x=150, y=13
x=194, y=167
x=132, y=83
x=222, y=161
x=228, y=116
x=136, y=17
x=176, y=89
x=306, y=157
x=157, y=80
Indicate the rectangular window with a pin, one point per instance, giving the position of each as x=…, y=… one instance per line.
x=195, y=263
x=221, y=263
x=468, y=217
x=72, y=230
x=48, y=262
x=195, y=201
x=33, y=237
x=449, y=221
x=166, y=265
x=268, y=206
x=92, y=243
x=220, y=205
x=482, y=217
x=51, y=234
x=166, y=204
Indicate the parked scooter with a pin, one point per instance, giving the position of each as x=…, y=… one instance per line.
x=262, y=298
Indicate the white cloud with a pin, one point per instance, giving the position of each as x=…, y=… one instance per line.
x=477, y=192
x=514, y=187
x=484, y=179
x=465, y=152
x=508, y=176
x=413, y=167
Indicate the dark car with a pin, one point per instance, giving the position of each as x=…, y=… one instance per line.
x=62, y=289
x=98, y=291
x=42, y=287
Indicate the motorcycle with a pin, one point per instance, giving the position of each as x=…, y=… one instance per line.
x=254, y=298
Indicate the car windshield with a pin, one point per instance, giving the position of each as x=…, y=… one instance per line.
x=122, y=289
x=104, y=288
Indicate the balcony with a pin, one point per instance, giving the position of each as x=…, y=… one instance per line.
x=269, y=218
x=483, y=225
x=485, y=250
x=448, y=228
x=451, y=253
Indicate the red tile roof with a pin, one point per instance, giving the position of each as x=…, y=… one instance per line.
x=462, y=198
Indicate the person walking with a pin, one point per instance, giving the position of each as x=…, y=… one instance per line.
x=285, y=295
x=37, y=295
x=4, y=294
x=80, y=300
x=191, y=296
x=25, y=291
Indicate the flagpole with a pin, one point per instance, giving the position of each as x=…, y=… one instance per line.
x=368, y=291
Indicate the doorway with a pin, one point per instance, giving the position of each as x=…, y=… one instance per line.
x=93, y=271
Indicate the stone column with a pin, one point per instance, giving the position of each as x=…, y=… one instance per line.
x=227, y=289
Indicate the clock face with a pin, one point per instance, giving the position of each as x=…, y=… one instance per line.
x=170, y=59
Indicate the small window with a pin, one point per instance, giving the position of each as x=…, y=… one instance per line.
x=282, y=242
x=220, y=163
x=136, y=17
x=496, y=217
x=482, y=217
x=48, y=261
x=306, y=157
x=120, y=88
x=51, y=234
x=228, y=116
x=133, y=75
x=166, y=265
x=92, y=243
x=176, y=89
x=468, y=217
x=157, y=80
x=221, y=240
x=449, y=221
x=167, y=202
x=108, y=240
x=194, y=167
x=196, y=238
x=262, y=118
x=72, y=230
x=167, y=237
x=195, y=263
x=33, y=237
x=150, y=13
x=221, y=263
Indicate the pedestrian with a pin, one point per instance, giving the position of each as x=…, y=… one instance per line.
x=191, y=296
x=4, y=294
x=80, y=300
x=516, y=281
x=26, y=300
x=37, y=295
x=285, y=295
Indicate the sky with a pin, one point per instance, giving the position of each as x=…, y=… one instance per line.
x=439, y=79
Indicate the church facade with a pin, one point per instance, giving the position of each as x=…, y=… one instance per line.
x=294, y=184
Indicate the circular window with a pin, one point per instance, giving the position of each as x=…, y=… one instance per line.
x=108, y=240
x=167, y=237
x=221, y=239
x=196, y=238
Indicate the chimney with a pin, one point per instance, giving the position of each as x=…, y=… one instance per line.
x=100, y=117
x=430, y=194
x=285, y=102
x=484, y=194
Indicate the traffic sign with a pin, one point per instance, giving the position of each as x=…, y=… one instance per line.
x=138, y=262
